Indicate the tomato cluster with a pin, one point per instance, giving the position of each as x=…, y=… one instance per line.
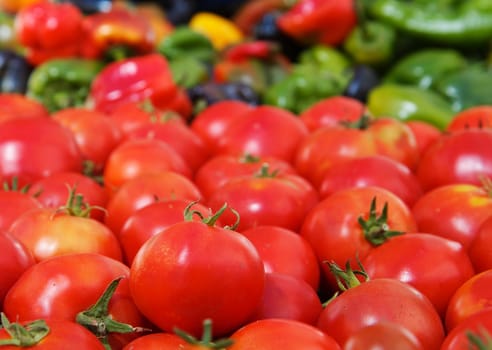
x=242, y=227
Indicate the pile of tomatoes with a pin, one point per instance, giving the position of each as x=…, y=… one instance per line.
x=243, y=227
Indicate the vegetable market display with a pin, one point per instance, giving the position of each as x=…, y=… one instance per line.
x=235, y=175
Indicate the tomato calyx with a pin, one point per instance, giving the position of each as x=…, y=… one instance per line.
x=76, y=206
x=14, y=186
x=482, y=341
x=347, y=278
x=210, y=220
x=97, y=319
x=264, y=172
x=206, y=340
x=376, y=228
x=249, y=158
x=360, y=124
x=24, y=335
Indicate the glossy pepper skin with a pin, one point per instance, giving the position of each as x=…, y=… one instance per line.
x=460, y=23
x=49, y=30
x=116, y=34
x=137, y=79
x=63, y=83
x=319, y=21
x=14, y=72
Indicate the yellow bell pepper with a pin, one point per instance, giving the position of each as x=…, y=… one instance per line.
x=219, y=30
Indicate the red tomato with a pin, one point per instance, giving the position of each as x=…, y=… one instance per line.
x=53, y=191
x=382, y=300
x=211, y=123
x=31, y=148
x=158, y=341
x=471, y=297
x=331, y=111
x=14, y=105
x=453, y=211
x=331, y=144
x=459, y=157
x=51, y=232
x=263, y=131
x=68, y=284
x=334, y=230
x=219, y=169
x=473, y=117
x=14, y=203
x=372, y=171
x=178, y=135
x=144, y=190
x=480, y=250
x=216, y=273
x=424, y=133
x=152, y=219
x=14, y=260
x=382, y=336
x=141, y=156
x=435, y=266
x=287, y=297
x=60, y=334
x=479, y=324
x=278, y=200
x=281, y=334
x=284, y=251
x=95, y=134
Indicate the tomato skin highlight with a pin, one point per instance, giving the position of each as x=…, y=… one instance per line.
x=192, y=271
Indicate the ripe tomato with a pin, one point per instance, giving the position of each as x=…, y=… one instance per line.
x=471, y=297
x=95, y=134
x=331, y=144
x=480, y=250
x=331, y=111
x=424, y=133
x=187, y=143
x=263, y=131
x=473, y=117
x=287, y=297
x=14, y=260
x=211, y=123
x=158, y=341
x=479, y=324
x=435, y=266
x=281, y=334
x=152, y=219
x=334, y=230
x=453, y=211
x=216, y=273
x=14, y=203
x=372, y=171
x=382, y=300
x=141, y=156
x=458, y=157
x=54, y=334
x=51, y=232
x=144, y=190
x=31, y=148
x=68, y=284
x=218, y=169
x=383, y=336
x=265, y=199
x=14, y=105
x=284, y=251
x=53, y=191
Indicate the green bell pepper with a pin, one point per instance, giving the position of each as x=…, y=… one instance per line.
x=448, y=22
x=185, y=42
x=63, y=83
x=425, y=68
x=326, y=58
x=188, y=71
x=410, y=103
x=468, y=87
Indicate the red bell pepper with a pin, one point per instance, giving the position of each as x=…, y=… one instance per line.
x=319, y=21
x=138, y=79
x=49, y=30
x=121, y=29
